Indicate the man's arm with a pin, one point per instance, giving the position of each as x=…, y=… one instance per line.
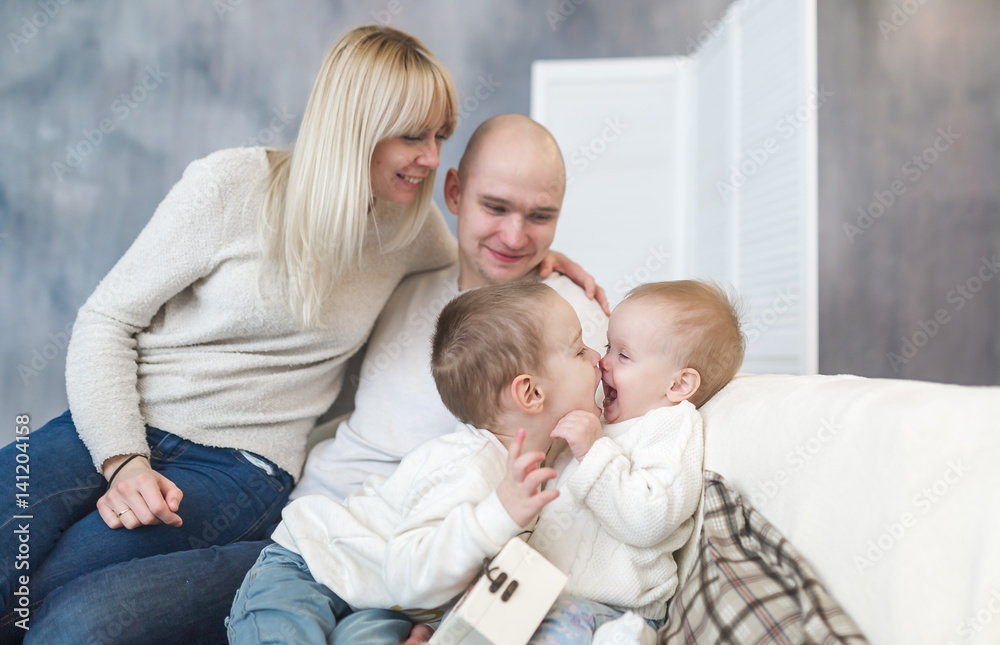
x=556, y=261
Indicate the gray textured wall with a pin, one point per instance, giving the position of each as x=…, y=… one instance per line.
x=220, y=71
x=217, y=74
x=894, y=85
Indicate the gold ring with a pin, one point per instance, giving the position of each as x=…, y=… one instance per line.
x=127, y=509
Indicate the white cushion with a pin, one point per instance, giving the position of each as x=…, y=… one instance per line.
x=889, y=488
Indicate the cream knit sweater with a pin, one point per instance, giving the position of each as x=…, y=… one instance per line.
x=625, y=509
x=179, y=336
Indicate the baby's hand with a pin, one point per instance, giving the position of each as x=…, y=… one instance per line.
x=518, y=491
x=581, y=430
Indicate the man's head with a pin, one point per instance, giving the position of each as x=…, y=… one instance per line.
x=507, y=194
x=513, y=351
x=669, y=342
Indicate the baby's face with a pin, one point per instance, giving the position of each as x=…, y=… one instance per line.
x=571, y=373
x=637, y=370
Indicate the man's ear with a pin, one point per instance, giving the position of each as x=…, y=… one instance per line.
x=684, y=384
x=527, y=397
x=452, y=190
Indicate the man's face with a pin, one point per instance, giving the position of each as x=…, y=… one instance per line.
x=507, y=209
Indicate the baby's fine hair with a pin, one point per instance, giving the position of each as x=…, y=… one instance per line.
x=484, y=339
x=706, y=323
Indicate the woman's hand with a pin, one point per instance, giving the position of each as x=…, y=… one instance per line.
x=556, y=261
x=139, y=496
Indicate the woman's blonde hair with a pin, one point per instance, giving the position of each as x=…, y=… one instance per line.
x=376, y=83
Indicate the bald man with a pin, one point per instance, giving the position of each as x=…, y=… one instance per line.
x=507, y=194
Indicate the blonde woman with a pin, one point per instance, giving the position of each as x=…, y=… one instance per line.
x=205, y=356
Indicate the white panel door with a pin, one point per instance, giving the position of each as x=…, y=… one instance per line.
x=619, y=123
x=701, y=167
x=713, y=210
x=776, y=266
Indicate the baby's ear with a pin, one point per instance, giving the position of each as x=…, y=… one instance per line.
x=683, y=385
x=527, y=396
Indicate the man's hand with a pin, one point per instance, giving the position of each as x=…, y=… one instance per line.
x=581, y=430
x=556, y=261
x=518, y=491
x=419, y=634
x=139, y=496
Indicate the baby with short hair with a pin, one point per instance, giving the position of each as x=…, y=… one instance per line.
x=510, y=362
x=629, y=494
x=686, y=332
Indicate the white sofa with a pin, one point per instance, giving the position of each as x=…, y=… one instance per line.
x=889, y=488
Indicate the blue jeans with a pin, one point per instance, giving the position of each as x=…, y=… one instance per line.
x=181, y=597
x=227, y=498
x=280, y=602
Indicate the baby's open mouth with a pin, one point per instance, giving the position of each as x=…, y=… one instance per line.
x=610, y=394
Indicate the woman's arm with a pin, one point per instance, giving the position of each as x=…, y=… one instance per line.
x=176, y=248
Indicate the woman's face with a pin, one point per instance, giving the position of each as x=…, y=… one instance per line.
x=401, y=164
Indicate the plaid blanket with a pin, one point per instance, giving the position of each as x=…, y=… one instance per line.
x=749, y=585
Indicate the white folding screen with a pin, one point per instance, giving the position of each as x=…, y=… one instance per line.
x=620, y=126
x=718, y=170
x=713, y=212
x=776, y=264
